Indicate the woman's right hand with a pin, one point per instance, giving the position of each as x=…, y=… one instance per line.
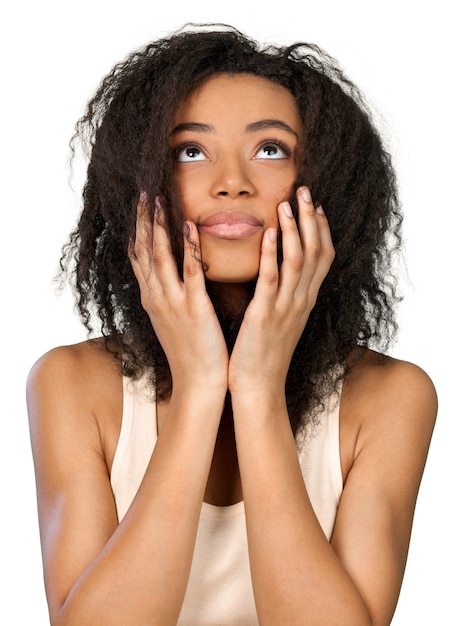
x=180, y=311
x=136, y=569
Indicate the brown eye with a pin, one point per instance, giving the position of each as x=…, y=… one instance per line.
x=272, y=150
x=186, y=154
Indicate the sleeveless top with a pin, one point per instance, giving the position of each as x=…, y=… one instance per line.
x=219, y=590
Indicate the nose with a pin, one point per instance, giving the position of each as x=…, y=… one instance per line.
x=231, y=178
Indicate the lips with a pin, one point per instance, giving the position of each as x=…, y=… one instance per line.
x=230, y=225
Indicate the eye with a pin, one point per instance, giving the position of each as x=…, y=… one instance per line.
x=273, y=150
x=189, y=153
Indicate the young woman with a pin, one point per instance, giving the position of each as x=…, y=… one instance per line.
x=234, y=449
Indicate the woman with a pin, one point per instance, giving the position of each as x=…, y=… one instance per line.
x=235, y=449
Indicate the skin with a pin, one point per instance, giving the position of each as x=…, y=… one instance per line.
x=239, y=154
x=136, y=572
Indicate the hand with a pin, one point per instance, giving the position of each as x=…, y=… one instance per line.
x=283, y=299
x=180, y=311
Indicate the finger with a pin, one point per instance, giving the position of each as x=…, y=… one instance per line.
x=163, y=259
x=144, y=290
x=293, y=254
x=139, y=252
x=267, y=283
x=193, y=274
x=326, y=256
x=310, y=235
x=152, y=254
x=143, y=235
x=140, y=279
x=308, y=227
x=157, y=262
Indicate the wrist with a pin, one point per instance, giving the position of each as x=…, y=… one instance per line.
x=259, y=386
x=191, y=410
x=197, y=392
x=192, y=380
x=259, y=400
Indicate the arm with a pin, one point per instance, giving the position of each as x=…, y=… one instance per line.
x=97, y=571
x=394, y=423
x=298, y=576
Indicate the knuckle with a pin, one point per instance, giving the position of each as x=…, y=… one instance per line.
x=309, y=210
x=314, y=250
x=137, y=253
x=329, y=255
x=190, y=270
x=158, y=257
x=144, y=303
x=312, y=300
x=296, y=262
x=270, y=277
x=131, y=249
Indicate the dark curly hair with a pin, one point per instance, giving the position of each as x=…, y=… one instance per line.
x=124, y=131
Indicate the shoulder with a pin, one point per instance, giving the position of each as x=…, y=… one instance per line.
x=377, y=383
x=88, y=353
x=74, y=368
x=76, y=390
x=386, y=403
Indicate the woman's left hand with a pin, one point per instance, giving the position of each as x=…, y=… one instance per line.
x=283, y=299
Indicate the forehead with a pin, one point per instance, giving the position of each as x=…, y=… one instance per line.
x=241, y=96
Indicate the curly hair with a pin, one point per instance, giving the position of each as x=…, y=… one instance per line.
x=124, y=131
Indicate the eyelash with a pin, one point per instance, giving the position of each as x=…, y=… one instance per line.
x=278, y=144
x=185, y=146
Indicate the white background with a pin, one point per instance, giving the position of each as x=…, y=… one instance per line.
x=402, y=54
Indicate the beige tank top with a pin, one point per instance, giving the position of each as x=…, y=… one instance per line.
x=219, y=590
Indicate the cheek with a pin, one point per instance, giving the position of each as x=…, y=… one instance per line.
x=189, y=193
x=272, y=220
x=274, y=194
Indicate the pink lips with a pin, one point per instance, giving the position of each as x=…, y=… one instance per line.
x=230, y=225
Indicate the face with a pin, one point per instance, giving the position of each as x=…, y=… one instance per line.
x=235, y=143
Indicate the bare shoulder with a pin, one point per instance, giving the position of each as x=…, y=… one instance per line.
x=386, y=401
x=79, y=361
x=85, y=370
x=384, y=382
x=75, y=389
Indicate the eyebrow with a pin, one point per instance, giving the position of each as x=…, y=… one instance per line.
x=260, y=125
x=250, y=128
x=195, y=126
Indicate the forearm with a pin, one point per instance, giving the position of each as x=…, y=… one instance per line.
x=140, y=576
x=297, y=577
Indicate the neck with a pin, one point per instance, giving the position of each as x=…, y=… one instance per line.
x=231, y=296
x=230, y=302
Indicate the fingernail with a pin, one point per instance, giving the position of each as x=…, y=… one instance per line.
x=186, y=230
x=319, y=209
x=272, y=234
x=287, y=209
x=306, y=194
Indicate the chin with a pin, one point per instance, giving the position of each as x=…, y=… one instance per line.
x=233, y=264
x=231, y=280
x=232, y=275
